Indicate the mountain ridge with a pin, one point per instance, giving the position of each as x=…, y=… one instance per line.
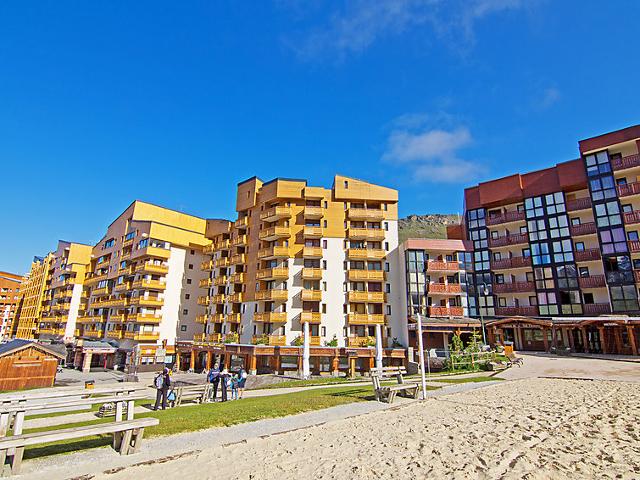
x=429, y=225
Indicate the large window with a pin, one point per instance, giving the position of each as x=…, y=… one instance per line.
x=559, y=226
x=597, y=164
x=476, y=218
x=537, y=230
x=562, y=251
x=613, y=241
x=416, y=281
x=567, y=277
x=540, y=253
x=544, y=278
x=624, y=298
x=481, y=260
x=547, y=303
x=603, y=188
x=618, y=269
x=608, y=214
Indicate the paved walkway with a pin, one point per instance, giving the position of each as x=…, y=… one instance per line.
x=90, y=462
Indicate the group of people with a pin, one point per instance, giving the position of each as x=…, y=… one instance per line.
x=225, y=381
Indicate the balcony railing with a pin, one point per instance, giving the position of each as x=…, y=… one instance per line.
x=152, y=268
x=636, y=275
x=444, y=288
x=312, y=231
x=594, y=281
x=628, y=189
x=371, y=214
x=271, y=317
x=235, y=297
x=279, y=295
x=310, y=317
x=366, y=318
x=583, y=229
x=588, y=255
x=632, y=217
x=578, y=204
x=220, y=280
x=238, y=259
x=312, y=273
x=361, y=341
x=513, y=262
x=596, y=308
x=366, y=275
x=274, y=232
x=233, y=318
x=514, y=287
x=273, y=273
x=311, y=295
x=313, y=212
x=375, y=234
x=239, y=241
x=366, y=253
x=272, y=340
x=525, y=311
x=312, y=252
x=143, y=336
x=505, y=217
x=237, y=278
x=273, y=252
x=241, y=222
x=275, y=213
x=626, y=162
x=515, y=239
x=442, y=266
x=369, y=297
x=445, y=311
x=634, y=246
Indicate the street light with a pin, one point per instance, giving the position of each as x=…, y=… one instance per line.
x=420, y=349
x=484, y=290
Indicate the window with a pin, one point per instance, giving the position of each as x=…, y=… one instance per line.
x=130, y=235
x=597, y=164
x=559, y=226
x=613, y=241
x=183, y=328
x=608, y=214
x=191, y=266
x=502, y=302
x=193, y=252
x=588, y=298
x=499, y=278
x=547, y=303
x=187, y=296
x=143, y=243
x=618, y=269
x=476, y=218
x=533, y=207
x=188, y=281
x=544, y=278
x=540, y=253
x=185, y=311
x=633, y=236
x=583, y=271
x=562, y=251
x=109, y=243
x=603, y=188
x=346, y=184
x=481, y=260
x=627, y=208
x=567, y=277
x=624, y=298
x=537, y=230
x=579, y=246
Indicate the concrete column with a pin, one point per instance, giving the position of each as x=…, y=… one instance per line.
x=86, y=362
x=306, y=371
x=378, y=346
x=632, y=339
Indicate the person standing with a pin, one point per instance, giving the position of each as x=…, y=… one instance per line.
x=242, y=380
x=214, y=379
x=224, y=383
x=162, y=383
x=234, y=387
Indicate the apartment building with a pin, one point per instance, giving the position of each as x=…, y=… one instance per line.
x=32, y=293
x=63, y=296
x=305, y=279
x=10, y=299
x=435, y=279
x=141, y=289
x=559, y=250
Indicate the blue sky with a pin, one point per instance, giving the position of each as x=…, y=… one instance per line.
x=175, y=102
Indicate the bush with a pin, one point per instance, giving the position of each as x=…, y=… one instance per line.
x=332, y=343
x=297, y=342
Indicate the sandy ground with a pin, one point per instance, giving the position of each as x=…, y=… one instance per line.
x=532, y=429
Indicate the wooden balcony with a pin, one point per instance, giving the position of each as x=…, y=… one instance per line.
x=369, y=214
x=220, y=280
x=277, y=273
x=442, y=266
x=312, y=232
x=506, y=240
x=233, y=318
x=271, y=317
x=156, y=252
x=366, y=253
x=273, y=252
x=444, y=288
x=142, y=336
x=445, y=311
x=589, y=255
x=92, y=333
x=313, y=212
x=311, y=295
x=361, y=342
x=221, y=262
x=578, y=204
x=219, y=298
x=629, y=189
x=115, y=334
x=207, y=265
x=100, y=291
x=583, y=229
x=242, y=222
x=312, y=252
x=238, y=259
x=596, y=308
x=510, y=263
x=147, y=302
x=204, y=300
x=145, y=318
x=150, y=284
x=210, y=338
x=366, y=319
x=310, y=317
x=315, y=341
x=623, y=163
x=274, y=214
x=634, y=246
x=151, y=267
x=121, y=287
x=121, y=318
x=373, y=234
x=636, y=275
x=368, y=297
x=505, y=217
x=272, y=340
x=239, y=241
x=632, y=217
x=514, y=287
x=594, y=281
x=366, y=275
x=202, y=318
x=236, y=297
x=237, y=278
x=273, y=295
x=274, y=233
x=526, y=311
x=312, y=273
x=216, y=318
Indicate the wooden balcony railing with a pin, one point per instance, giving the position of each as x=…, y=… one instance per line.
x=628, y=189
x=515, y=239
x=445, y=311
x=578, y=204
x=442, y=266
x=596, y=308
x=623, y=163
x=632, y=217
x=505, y=217
x=514, y=287
x=634, y=246
x=594, y=281
x=588, y=255
x=445, y=288
x=513, y=262
x=583, y=229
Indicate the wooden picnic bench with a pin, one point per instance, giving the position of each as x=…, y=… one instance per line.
x=127, y=438
x=387, y=393
x=197, y=393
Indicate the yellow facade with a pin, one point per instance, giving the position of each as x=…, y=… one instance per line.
x=36, y=281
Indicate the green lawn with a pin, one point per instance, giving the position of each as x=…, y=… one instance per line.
x=466, y=379
x=208, y=415
x=314, y=382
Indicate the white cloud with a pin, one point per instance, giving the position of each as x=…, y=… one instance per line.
x=431, y=153
x=361, y=23
x=550, y=96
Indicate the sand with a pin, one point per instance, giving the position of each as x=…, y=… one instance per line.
x=531, y=429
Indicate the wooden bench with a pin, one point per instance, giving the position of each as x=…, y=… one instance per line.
x=197, y=393
x=387, y=393
x=127, y=438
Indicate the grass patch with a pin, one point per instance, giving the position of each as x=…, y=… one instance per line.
x=209, y=415
x=312, y=382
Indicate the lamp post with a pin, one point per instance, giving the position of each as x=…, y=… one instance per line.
x=484, y=289
x=420, y=349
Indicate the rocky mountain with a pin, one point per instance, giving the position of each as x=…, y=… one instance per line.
x=431, y=225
